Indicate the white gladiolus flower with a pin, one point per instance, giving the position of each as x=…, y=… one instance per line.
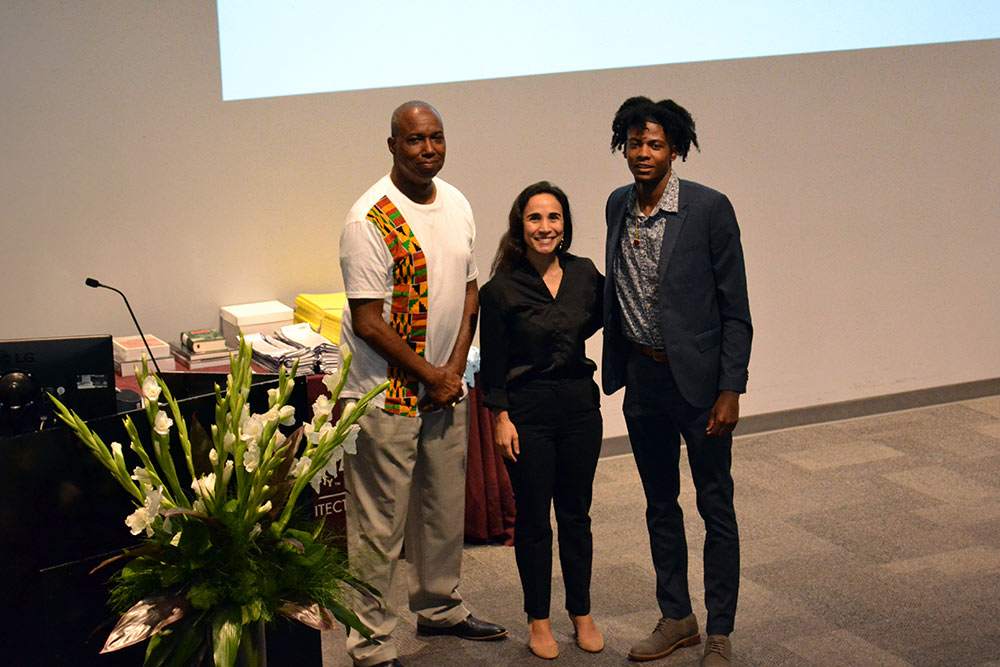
x=213, y=456
x=270, y=416
x=251, y=458
x=315, y=436
x=150, y=388
x=142, y=476
x=323, y=407
x=153, y=500
x=348, y=409
x=116, y=449
x=255, y=531
x=168, y=526
x=204, y=486
x=251, y=429
x=227, y=472
x=227, y=441
x=265, y=508
x=272, y=396
x=244, y=414
x=162, y=423
x=331, y=469
x=143, y=518
x=138, y=521
x=198, y=506
x=331, y=382
x=287, y=415
x=350, y=444
x=279, y=439
x=300, y=467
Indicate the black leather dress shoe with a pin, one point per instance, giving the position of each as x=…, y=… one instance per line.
x=471, y=628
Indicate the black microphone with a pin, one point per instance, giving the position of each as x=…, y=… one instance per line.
x=93, y=282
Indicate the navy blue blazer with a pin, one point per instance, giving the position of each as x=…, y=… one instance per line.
x=704, y=309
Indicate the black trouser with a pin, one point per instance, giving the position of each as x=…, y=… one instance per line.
x=559, y=430
x=657, y=416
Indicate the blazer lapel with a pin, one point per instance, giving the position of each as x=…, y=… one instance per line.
x=671, y=230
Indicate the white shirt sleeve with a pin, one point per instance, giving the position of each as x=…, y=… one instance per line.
x=472, y=271
x=365, y=262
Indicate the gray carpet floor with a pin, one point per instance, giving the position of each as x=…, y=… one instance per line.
x=873, y=541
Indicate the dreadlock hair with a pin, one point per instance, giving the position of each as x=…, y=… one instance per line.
x=512, y=247
x=677, y=123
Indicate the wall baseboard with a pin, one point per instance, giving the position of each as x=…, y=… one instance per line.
x=829, y=412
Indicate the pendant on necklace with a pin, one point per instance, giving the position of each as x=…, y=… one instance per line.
x=635, y=243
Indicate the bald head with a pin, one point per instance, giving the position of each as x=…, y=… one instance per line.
x=405, y=107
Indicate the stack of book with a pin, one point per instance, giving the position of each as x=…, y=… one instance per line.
x=323, y=312
x=200, y=349
x=129, y=351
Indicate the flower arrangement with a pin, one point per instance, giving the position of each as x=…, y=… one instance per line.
x=226, y=553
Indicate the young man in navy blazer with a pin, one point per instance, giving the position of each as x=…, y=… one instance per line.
x=677, y=336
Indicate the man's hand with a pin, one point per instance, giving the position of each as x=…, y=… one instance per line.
x=444, y=389
x=725, y=414
x=505, y=436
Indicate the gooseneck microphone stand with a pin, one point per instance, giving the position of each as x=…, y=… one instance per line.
x=93, y=282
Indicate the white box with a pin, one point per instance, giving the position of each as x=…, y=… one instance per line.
x=131, y=348
x=261, y=317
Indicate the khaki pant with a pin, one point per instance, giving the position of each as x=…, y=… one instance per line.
x=407, y=480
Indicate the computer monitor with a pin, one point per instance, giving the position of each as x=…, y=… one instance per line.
x=78, y=370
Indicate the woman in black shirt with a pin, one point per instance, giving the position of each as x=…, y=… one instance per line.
x=537, y=310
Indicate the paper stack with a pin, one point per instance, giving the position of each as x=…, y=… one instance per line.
x=323, y=312
x=314, y=353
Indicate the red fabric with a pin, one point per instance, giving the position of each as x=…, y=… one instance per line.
x=489, y=498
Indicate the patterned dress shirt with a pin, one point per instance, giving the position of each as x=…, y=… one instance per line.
x=637, y=266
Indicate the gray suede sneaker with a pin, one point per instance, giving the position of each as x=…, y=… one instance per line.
x=669, y=635
x=718, y=652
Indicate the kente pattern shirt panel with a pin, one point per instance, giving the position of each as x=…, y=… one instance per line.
x=637, y=265
x=408, y=312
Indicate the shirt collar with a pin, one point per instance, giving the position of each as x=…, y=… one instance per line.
x=668, y=200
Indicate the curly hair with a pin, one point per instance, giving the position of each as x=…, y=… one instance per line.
x=512, y=247
x=677, y=123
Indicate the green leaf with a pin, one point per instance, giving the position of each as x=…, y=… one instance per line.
x=226, y=630
x=362, y=586
x=177, y=645
x=349, y=619
x=295, y=543
x=195, y=538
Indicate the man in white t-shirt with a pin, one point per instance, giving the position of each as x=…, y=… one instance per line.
x=406, y=254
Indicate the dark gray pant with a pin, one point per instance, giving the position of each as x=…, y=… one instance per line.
x=657, y=417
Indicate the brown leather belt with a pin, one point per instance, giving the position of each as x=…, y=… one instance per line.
x=654, y=353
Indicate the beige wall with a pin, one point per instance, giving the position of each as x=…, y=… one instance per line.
x=865, y=183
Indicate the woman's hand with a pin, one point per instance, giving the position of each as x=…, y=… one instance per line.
x=505, y=435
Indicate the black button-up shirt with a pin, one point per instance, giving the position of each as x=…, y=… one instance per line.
x=526, y=334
